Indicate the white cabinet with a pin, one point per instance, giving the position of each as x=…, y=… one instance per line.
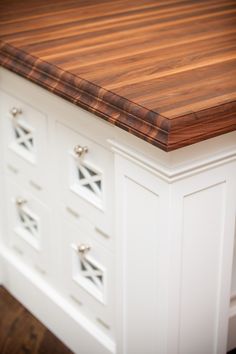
x=129, y=248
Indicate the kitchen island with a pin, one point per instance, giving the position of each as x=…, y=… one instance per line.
x=118, y=174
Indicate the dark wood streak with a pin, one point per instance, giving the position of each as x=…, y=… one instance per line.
x=131, y=101
x=113, y=108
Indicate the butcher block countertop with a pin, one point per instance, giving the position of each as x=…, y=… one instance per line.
x=163, y=70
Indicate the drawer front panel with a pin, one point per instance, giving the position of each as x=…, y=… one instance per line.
x=28, y=182
x=25, y=136
x=85, y=170
x=29, y=227
x=87, y=275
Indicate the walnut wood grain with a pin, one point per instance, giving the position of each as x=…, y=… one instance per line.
x=163, y=70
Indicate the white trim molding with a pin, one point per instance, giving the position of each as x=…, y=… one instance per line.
x=170, y=174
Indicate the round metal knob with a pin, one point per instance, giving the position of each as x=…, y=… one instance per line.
x=15, y=111
x=80, y=150
x=20, y=201
x=83, y=249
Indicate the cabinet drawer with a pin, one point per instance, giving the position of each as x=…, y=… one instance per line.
x=25, y=136
x=85, y=170
x=29, y=227
x=87, y=275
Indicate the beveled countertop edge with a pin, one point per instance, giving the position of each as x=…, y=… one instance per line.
x=167, y=134
x=117, y=110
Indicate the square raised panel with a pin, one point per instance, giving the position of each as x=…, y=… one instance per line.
x=87, y=273
x=85, y=172
x=29, y=229
x=25, y=137
x=28, y=223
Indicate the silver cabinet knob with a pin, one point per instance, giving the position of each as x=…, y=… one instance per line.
x=82, y=249
x=20, y=201
x=15, y=111
x=80, y=150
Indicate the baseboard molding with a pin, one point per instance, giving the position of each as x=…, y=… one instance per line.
x=74, y=329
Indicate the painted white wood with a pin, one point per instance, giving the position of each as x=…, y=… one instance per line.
x=170, y=172
x=142, y=240
x=94, y=202
x=163, y=231
x=3, y=225
x=201, y=214
x=203, y=234
x=29, y=226
x=233, y=287
x=45, y=197
x=232, y=312
x=93, y=297
x=23, y=136
x=74, y=329
x=201, y=251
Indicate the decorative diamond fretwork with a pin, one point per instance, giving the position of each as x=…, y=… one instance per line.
x=89, y=179
x=91, y=273
x=28, y=223
x=23, y=136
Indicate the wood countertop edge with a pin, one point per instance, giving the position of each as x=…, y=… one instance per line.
x=167, y=134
